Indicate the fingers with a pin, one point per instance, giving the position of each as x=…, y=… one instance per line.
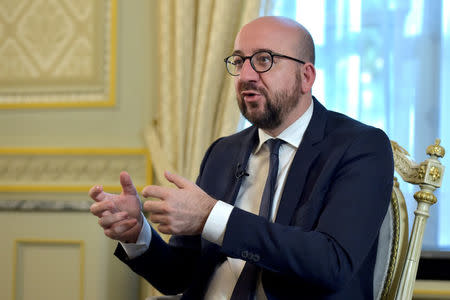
x=166, y=229
x=96, y=193
x=163, y=222
x=156, y=207
x=106, y=213
x=120, y=230
x=127, y=185
x=155, y=191
x=100, y=208
x=158, y=218
x=107, y=220
x=178, y=180
x=119, y=215
x=163, y=192
x=159, y=213
x=120, y=227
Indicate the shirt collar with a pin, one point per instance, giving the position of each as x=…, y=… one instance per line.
x=292, y=135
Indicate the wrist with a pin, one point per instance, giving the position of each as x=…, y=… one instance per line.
x=210, y=203
x=136, y=231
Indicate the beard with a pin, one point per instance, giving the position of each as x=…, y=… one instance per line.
x=275, y=108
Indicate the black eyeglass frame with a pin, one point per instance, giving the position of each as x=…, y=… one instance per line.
x=272, y=55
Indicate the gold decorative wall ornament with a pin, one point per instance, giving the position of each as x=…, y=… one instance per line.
x=57, y=53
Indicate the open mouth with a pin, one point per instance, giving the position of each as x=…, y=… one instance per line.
x=250, y=95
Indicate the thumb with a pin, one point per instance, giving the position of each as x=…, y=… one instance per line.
x=127, y=185
x=178, y=180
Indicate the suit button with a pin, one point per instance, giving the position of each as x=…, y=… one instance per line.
x=244, y=254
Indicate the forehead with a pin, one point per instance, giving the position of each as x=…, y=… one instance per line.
x=266, y=35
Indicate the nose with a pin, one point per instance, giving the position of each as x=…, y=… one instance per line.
x=247, y=72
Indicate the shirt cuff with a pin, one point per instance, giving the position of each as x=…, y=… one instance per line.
x=214, y=229
x=142, y=244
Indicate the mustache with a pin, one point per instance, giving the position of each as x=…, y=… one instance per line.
x=248, y=85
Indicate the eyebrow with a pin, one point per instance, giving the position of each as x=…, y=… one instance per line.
x=239, y=52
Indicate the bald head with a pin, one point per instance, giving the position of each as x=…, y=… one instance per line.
x=279, y=32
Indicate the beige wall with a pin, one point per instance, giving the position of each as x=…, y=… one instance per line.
x=36, y=244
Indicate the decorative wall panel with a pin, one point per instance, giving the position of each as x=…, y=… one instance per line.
x=71, y=170
x=48, y=269
x=57, y=53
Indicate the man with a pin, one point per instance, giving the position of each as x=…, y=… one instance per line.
x=310, y=232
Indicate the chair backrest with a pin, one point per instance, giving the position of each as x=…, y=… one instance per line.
x=398, y=254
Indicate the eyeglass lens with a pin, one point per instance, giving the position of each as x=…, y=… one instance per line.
x=260, y=61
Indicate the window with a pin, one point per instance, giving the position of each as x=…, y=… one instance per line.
x=387, y=64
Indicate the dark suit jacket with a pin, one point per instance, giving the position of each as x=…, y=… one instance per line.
x=324, y=240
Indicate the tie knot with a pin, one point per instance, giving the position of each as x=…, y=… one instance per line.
x=274, y=145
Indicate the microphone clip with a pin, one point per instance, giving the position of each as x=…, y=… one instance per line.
x=240, y=172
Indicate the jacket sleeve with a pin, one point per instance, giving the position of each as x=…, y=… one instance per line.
x=168, y=268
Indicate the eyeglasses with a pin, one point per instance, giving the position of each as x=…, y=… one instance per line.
x=260, y=61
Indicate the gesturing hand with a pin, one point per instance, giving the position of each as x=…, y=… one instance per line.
x=183, y=210
x=119, y=215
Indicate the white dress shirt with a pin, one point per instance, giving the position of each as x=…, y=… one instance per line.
x=249, y=198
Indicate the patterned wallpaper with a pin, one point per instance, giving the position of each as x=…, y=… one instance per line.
x=57, y=52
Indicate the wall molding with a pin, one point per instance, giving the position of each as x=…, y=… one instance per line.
x=71, y=169
x=18, y=243
x=52, y=206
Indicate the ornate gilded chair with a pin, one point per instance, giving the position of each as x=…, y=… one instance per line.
x=395, y=276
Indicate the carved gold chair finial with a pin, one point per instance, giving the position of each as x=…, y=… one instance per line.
x=436, y=149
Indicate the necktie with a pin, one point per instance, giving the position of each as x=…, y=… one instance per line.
x=246, y=284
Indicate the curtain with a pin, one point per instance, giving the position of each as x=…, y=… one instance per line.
x=386, y=63
x=196, y=103
x=196, y=96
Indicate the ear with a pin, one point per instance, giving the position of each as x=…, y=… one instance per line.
x=308, y=77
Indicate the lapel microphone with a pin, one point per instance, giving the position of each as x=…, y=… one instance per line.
x=240, y=171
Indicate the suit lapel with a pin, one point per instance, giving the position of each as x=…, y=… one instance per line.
x=212, y=256
x=246, y=146
x=303, y=160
